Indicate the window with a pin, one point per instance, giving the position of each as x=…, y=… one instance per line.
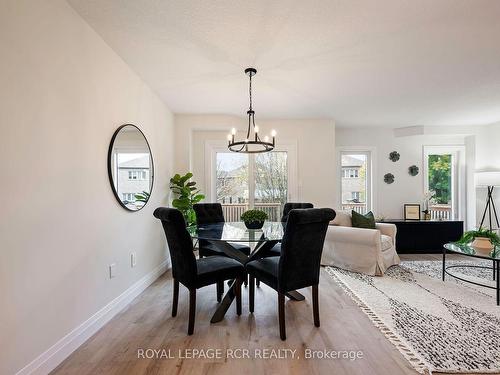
x=355, y=185
x=137, y=175
x=350, y=172
x=246, y=181
x=231, y=178
x=129, y=197
x=264, y=181
x=444, y=180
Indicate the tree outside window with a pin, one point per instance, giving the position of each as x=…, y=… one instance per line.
x=440, y=178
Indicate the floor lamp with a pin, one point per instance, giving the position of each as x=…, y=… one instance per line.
x=489, y=180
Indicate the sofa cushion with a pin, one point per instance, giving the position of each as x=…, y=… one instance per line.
x=386, y=242
x=343, y=219
x=366, y=221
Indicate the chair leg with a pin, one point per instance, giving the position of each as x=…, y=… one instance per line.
x=175, y=299
x=281, y=315
x=315, y=305
x=246, y=280
x=257, y=282
x=237, y=292
x=251, y=293
x=192, y=310
x=220, y=290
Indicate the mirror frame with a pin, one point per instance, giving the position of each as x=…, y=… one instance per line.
x=110, y=174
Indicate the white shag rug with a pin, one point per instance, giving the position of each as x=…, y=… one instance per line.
x=439, y=326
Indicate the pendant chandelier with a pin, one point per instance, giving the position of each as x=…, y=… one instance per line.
x=252, y=144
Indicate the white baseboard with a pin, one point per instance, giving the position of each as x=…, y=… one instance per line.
x=52, y=357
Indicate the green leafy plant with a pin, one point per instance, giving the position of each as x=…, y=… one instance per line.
x=142, y=197
x=187, y=194
x=440, y=177
x=470, y=236
x=254, y=216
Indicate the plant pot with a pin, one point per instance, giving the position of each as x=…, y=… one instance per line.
x=254, y=224
x=482, y=245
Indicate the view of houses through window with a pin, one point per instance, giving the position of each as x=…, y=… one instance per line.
x=246, y=181
x=132, y=169
x=354, y=181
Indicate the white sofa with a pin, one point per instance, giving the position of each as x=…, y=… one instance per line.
x=369, y=251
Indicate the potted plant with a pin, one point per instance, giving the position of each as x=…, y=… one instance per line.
x=187, y=194
x=482, y=239
x=254, y=219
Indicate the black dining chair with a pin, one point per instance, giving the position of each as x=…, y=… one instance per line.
x=276, y=249
x=191, y=272
x=298, y=265
x=209, y=213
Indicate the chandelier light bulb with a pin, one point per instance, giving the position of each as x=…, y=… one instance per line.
x=273, y=133
x=266, y=139
x=256, y=129
x=233, y=131
x=229, y=137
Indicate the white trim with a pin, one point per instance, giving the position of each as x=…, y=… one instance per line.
x=372, y=200
x=288, y=146
x=52, y=357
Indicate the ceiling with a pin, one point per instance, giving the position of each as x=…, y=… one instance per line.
x=361, y=62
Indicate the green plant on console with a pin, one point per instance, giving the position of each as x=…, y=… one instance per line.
x=187, y=194
x=254, y=216
x=470, y=236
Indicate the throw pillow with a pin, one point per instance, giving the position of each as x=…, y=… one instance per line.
x=366, y=221
x=342, y=219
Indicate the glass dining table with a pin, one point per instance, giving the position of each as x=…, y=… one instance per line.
x=261, y=241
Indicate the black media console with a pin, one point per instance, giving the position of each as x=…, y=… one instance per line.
x=425, y=236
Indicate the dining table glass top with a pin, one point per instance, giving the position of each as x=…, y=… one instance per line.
x=467, y=249
x=237, y=232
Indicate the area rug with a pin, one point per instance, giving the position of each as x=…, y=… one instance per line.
x=438, y=326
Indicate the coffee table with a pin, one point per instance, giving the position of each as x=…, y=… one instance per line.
x=469, y=251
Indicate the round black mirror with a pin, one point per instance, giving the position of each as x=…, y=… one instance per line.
x=130, y=167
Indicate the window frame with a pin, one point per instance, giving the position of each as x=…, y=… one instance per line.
x=371, y=171
x=458, y=175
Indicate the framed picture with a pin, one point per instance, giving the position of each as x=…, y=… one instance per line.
x=412, y=212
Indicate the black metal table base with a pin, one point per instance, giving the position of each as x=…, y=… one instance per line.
x=495, y=269
x=260, y=248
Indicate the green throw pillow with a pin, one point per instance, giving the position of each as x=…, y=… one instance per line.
x=366, y=221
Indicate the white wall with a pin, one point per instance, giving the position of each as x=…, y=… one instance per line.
x=389, y=199
x=63, y=93
x=315, y=141
x=487, y=158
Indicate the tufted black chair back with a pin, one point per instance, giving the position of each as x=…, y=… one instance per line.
x=291, y=206
x=208, y=213
x=180, y=245
x=302, y=246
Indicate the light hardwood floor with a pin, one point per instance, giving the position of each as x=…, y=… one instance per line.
x=147, y=324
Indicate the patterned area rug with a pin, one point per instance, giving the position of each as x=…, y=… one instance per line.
x=438, y=326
